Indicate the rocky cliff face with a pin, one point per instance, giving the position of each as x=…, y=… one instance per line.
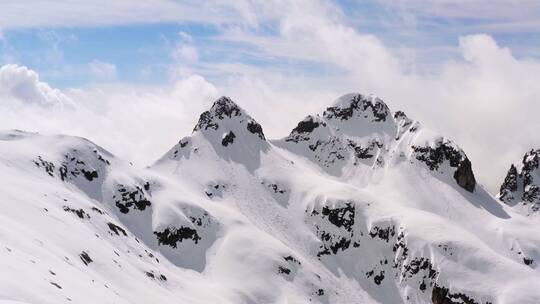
x=521, y=185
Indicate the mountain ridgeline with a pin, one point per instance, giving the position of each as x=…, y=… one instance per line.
x=358, y=204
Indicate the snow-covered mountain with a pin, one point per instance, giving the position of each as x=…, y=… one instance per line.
x=358, y=204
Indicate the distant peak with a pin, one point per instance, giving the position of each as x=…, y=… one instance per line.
x=355, y=104
x=522, y=182
x=223, y=107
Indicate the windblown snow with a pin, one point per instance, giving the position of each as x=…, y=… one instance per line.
x=358, y=204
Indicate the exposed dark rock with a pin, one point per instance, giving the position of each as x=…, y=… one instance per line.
x=228, y=139
x=183, y=143
x=170, y=236
x=205, y=122
x=379, y=278
x=404, y=124
x=130, y=198
x=445, y=151
x=71, y=167
x=79, y=212
x=340, y=217
x=464, y=175
x=223, y=107
x=420, y=264
x=400, y=250
x=510, y=184
x=434, y=157
x=335, y=244
x=422, y=286
x=292, y=260
x=359, y=103
x=215, y=189
x=284, y=270
x=97, y=210
x=276, y=188
x=441, y=295
x=89, y=175
x=306, y=126
x=399, y=115
x=382, y=233
x=204, y=220
x=520, y=185
x=367, y=152
x=116, y=229
x=85, y=258
x=328, y=152
x=255, y=128
x=48, y=166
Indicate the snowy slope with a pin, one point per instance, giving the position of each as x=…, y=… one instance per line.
x=358, y=204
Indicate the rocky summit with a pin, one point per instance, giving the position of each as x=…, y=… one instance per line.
x=357, y=204
x=522, y=183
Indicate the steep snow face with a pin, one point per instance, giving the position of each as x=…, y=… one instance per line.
x=522, y=184
x=356, y=205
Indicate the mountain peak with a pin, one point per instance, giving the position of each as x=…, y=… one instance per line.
x=357, y=105
x=226, y=130
x=522, y=182
x=223, y=107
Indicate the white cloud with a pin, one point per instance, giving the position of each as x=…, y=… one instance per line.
x=137, y=123
x=102, y=70
x=23, y=84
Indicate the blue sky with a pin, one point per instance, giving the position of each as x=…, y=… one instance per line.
x=141, y=50
x=133, y=76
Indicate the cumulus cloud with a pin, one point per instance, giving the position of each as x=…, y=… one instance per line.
x=135, y=122
x=22, y=84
